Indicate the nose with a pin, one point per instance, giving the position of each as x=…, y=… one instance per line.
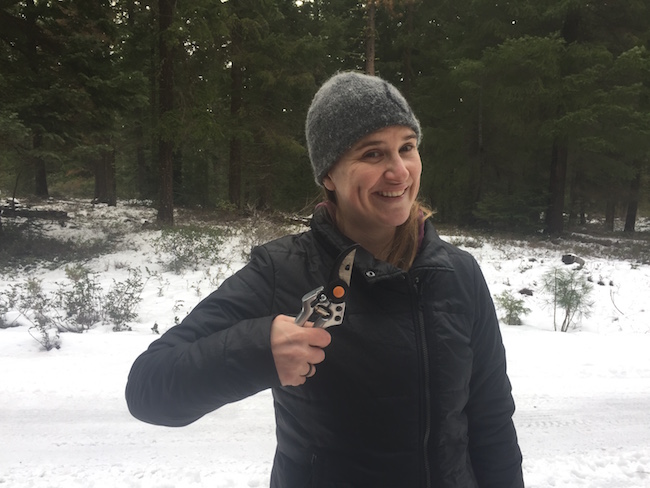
x=396, y=169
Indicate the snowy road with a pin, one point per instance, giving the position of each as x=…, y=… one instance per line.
x=583, y=408
x=64, y=423
x=582, y=418
x=600, y=442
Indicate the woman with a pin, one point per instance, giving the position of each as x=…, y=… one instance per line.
x=411, y=390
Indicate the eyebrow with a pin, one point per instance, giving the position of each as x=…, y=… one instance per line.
x=373, y=142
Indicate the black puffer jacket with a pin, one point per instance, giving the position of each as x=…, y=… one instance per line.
x=413, y=391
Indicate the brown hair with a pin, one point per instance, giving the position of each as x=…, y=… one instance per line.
x=407, y=238
x=406, y=242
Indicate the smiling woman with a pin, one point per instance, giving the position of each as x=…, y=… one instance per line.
x=410, y=390
x=374, y=186
x=356, y=118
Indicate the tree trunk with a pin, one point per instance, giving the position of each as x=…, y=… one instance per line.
x=236, y=100
x=566, y=322
x=408, y=51
x=166, y=93
x=100, y=180
x=40, y=173
x=105, y=183
x=37, y=162
x=234, y=174
x=264, y=181
x=142, y=177
x=166, y=204
x=177, y=158
x=480, y=152
x=575, y=198
x=370, y=38
x=555, y=211
x=559, y=152
x=633, y=202
x=610, y=213
x=141, y=174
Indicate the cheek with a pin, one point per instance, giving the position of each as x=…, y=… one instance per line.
x=350, y=180
x=337, y=176
x=416, y=171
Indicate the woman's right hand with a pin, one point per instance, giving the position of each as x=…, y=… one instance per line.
x=296, y=350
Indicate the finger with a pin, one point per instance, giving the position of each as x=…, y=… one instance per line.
x=309, y=372
x=312, y=371
x=318, y=337
x=316, y=355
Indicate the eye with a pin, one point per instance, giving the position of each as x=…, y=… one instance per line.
x=407, y=147
x=372, y=154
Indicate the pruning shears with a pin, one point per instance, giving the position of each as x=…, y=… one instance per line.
x=327, y=303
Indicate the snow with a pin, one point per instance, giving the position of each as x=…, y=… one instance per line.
x=582, y=397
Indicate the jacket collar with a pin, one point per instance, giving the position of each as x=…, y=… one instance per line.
x=433, y=252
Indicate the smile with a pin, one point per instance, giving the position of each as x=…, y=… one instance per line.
x=392, y=194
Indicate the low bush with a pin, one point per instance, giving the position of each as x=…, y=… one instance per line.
x=179, y=248
x=259, y=229
x=75, y=306
x=81, y=300
x=512, y=306
x=122, y=300
x=569, y=291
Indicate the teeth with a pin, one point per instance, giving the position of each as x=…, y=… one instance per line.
x=392, y=193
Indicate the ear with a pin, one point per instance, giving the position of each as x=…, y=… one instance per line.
x=328, y=183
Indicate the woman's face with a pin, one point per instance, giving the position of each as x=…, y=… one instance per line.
x=376, y=181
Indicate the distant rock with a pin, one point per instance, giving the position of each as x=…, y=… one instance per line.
x=572, y=259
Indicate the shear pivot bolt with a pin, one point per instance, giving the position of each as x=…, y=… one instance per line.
x=338, y=292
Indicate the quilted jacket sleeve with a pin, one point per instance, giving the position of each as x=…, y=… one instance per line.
x=494, y=450
x=220, y=353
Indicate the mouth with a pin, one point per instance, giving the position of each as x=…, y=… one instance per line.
x=392, y=194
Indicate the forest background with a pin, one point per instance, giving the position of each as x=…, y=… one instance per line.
x=535, y=113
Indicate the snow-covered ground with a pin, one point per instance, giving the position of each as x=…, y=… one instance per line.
x=583, y=397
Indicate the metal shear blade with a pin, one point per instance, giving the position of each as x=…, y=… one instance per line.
x=327, y=303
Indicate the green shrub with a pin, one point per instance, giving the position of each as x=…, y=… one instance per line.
x=570, y=292
x=47, y=336
x=190, y=247
x=33, y=304
x=122, y=300
x=259, y=229
x=467, y=241
x=81, y=300
x=512, y=306
x=75, y=306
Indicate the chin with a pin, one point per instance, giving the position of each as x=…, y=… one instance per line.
x=396, y=221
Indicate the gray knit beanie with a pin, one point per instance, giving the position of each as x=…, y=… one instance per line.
x=348, y=107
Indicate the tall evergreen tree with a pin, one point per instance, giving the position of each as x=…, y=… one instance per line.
x=166, y=44
x=33, y=77
x=511, y=96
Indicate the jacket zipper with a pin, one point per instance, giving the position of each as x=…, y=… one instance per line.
x=426, y=386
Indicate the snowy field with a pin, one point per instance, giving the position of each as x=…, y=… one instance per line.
x=583, y=397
